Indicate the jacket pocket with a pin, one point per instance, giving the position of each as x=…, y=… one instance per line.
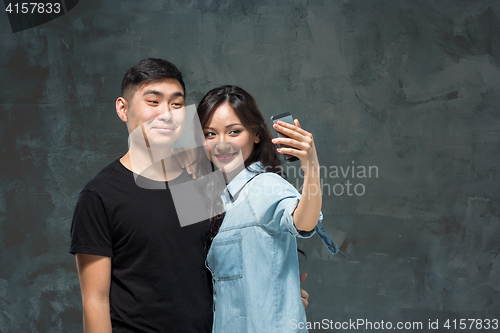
x=228, y=258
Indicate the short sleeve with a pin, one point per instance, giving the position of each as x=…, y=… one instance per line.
x=273, y=200
x=90, y=232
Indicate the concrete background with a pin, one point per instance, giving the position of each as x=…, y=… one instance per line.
x=411, y=87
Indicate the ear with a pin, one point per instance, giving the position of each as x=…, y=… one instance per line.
x=122, y=108
x=256, y=138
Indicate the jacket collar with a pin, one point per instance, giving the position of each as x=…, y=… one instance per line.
x=237, y=183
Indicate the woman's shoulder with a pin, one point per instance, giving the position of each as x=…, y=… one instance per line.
x=268, y=177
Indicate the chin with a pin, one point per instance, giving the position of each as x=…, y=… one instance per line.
x=229, y=167
x=160, y=141
x=163, y=139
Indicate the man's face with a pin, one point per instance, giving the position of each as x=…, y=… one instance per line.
x=158, y=108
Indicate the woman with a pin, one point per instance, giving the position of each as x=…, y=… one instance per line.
x=252, y=246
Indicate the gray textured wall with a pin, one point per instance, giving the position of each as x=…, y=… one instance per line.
x=411, y=87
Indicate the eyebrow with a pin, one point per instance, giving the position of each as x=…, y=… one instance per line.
x=210, y=128
x=160, y=94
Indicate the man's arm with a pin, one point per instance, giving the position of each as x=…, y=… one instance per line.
x=94, y=273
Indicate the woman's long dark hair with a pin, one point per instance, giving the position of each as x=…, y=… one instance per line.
x=248, y=112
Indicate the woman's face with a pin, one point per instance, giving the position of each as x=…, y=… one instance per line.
x=228, y=142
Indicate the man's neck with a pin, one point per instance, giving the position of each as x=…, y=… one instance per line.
x=165, y=169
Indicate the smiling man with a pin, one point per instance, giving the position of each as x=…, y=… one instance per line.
x=139, y=270
x=155, y=116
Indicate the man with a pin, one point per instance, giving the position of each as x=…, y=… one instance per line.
x=139, y=270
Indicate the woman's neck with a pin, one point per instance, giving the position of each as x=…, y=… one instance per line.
x=229, y=175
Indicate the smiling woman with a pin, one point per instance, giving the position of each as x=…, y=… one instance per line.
x=229, y=143
x=252, y=249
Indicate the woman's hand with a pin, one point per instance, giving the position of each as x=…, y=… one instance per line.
x=186, y=158
x=303, y=294
x=299, y=144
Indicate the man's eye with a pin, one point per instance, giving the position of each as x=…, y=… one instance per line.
x=153, y=102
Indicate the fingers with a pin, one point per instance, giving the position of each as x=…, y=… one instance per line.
x=296, y=121
x=186, y=159
x=303, y=294
x=292, y=151
x=291, y=143
x=190, y=165
x=293, y=131
x=290, y=129
x=192, y=170
x=179, y=158
x=299, y=143
x=304, y=297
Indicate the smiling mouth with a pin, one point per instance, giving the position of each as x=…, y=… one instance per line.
x=164, y=129
x=225, y=157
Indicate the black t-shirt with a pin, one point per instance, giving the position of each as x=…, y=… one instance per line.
x=159, y=282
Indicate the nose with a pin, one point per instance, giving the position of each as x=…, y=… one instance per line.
x=222, y=145
x=166, y=115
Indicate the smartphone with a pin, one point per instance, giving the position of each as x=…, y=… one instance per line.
x=287, y=118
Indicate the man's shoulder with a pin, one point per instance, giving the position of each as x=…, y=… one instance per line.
x=106, y=175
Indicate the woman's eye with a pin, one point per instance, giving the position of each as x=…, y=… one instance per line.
x=209, y=135
x=235, y=132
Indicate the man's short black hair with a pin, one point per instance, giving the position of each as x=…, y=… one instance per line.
x=148, y=70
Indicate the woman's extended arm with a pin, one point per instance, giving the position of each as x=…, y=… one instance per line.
x=301, y=145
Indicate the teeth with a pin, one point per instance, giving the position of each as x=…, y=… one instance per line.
x=224, y=156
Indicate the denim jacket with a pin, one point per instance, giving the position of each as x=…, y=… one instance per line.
x=253, y=258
